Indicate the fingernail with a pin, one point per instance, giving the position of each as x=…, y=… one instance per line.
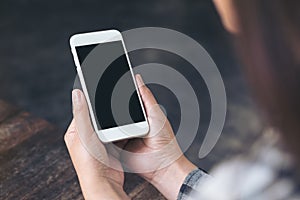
x=76, y=98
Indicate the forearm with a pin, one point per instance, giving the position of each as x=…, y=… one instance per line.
x=169, y=180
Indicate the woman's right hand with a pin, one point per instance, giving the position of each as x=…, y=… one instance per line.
x=157, y=157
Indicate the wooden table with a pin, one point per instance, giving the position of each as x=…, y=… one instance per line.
x=34, y=163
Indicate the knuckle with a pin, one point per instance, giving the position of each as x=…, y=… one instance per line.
x=66, y=137
x=70, y=131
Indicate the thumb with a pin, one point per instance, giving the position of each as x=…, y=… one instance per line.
x=84, y=128
x=81, y=113
x=147, y=96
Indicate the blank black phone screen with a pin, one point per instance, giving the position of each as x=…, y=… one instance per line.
x=110, y=85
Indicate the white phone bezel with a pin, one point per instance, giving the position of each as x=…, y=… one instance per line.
x=116, y=133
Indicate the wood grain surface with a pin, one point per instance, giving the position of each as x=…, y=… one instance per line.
x=34, y=163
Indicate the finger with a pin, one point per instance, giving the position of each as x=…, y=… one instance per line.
x=86, y=166
x=74, y=145
x=72, y=141
x=81, y=112
x=85, y=131
x=70, y=134
x=147, y=96
x=84, y=154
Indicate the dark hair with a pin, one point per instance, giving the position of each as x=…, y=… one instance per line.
x=269, y=45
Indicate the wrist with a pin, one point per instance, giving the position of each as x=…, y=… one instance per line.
x=104, y=189
x=111, y=190
x=169, y=179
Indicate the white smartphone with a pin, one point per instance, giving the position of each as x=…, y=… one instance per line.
x=108, y=83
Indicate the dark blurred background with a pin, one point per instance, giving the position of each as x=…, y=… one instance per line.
x=37, y=70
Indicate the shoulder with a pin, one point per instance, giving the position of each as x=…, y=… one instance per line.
x=265, y=172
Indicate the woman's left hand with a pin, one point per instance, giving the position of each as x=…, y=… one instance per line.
x=97, y=180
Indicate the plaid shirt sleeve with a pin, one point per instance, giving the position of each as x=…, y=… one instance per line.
x=191, y=182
